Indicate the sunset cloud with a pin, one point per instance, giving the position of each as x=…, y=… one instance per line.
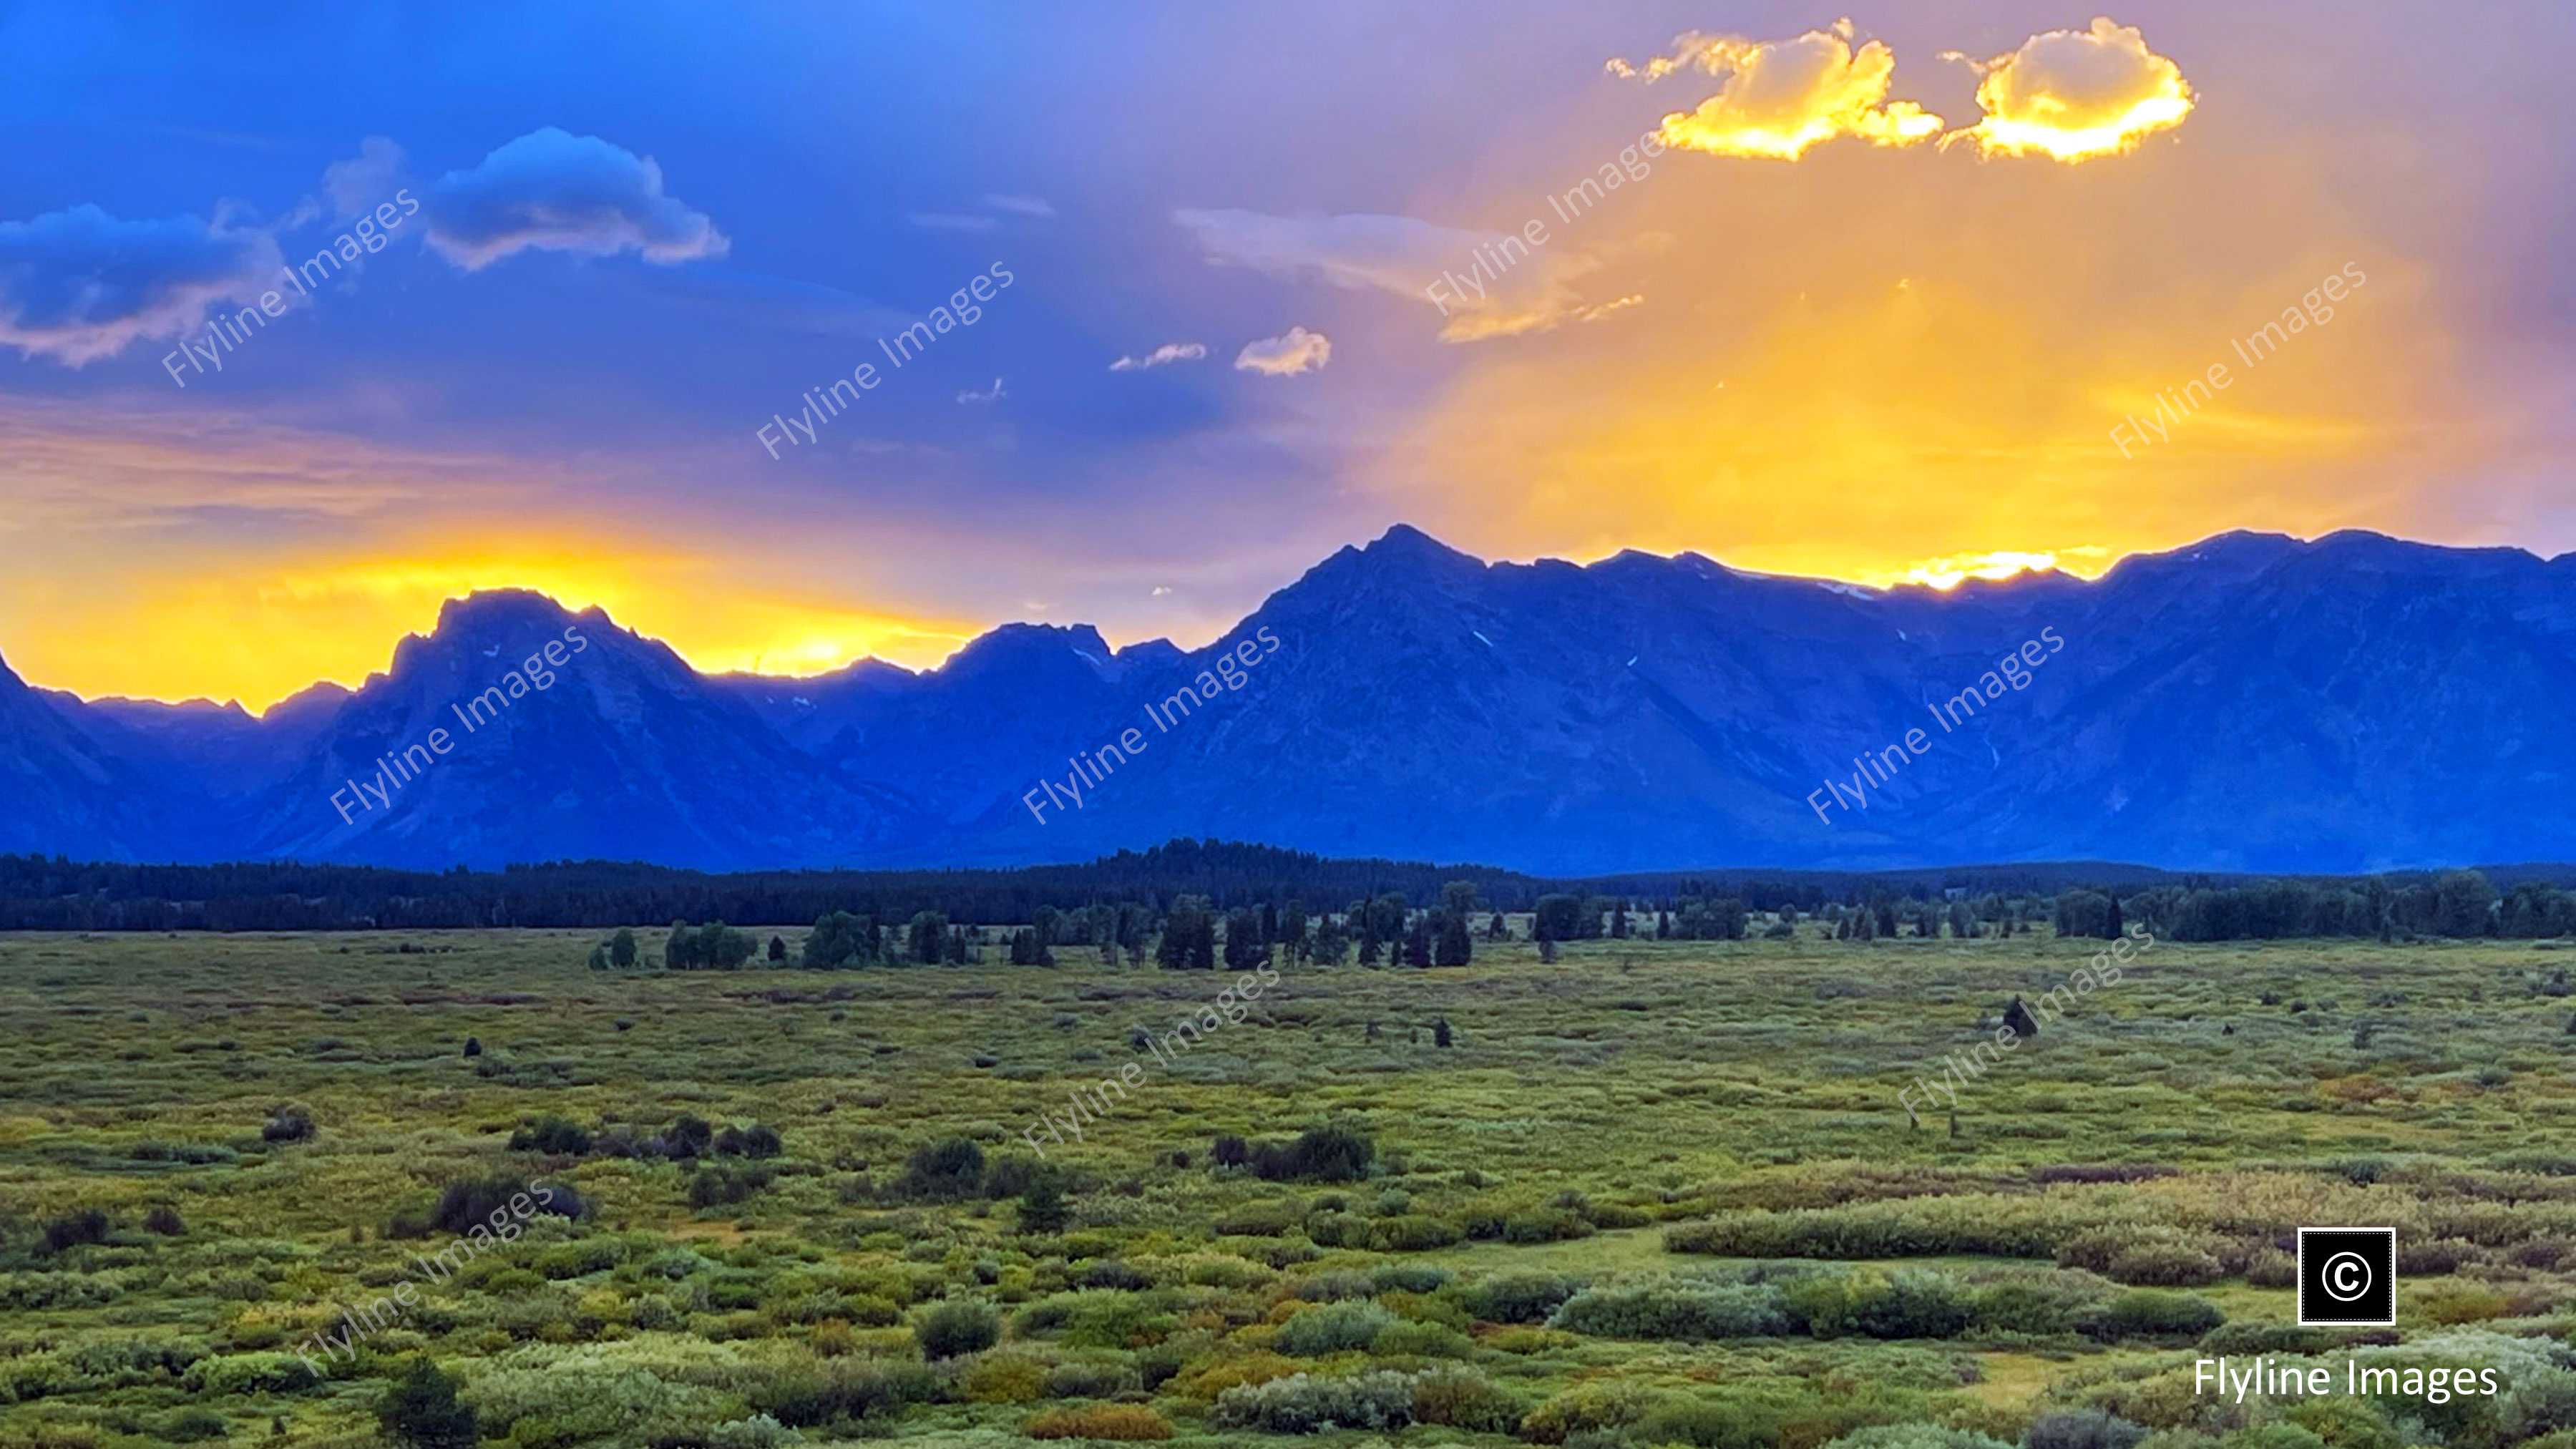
x=1293, y=352
x=1783, y=96
x=2074, y=95
x=1405, y=255
x=1163, y=356
x=78, y=285
x=553, y=191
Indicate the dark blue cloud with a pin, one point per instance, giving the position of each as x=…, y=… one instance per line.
x=80, y=284
x=556, y=191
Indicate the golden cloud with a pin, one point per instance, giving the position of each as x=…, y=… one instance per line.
x=2075, y=94
x=1783, y=96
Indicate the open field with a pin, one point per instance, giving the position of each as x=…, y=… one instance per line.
x=1735, y=1101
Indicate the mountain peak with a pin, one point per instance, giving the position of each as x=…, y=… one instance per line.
x=1402, y=542
x=486, y=609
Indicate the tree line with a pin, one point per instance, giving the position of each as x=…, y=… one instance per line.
x=1387, y=929
x=1259, y=895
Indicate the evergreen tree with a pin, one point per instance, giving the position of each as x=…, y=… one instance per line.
x=1456, y=945
x=928, y=937
x=1417, y=941
x=1189, y=937
x=1559, y=918
x=1331, y=943
x=421, y=1411
x=2018, y=1017
x=621, y=948
x=1456, y=942
x=1042, y=1207
x=1243, y=938
x=777, y=950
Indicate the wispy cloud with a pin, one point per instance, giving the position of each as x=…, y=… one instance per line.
x=1404, y=256
x=1163, y=356
x=951, y=221
x=1294, y=351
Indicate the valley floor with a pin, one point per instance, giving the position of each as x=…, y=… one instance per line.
x=1652, y=1193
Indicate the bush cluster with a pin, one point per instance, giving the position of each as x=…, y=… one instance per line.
x=1799, y=1299
x=1381, y=1399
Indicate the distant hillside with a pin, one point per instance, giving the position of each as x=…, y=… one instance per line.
x=2251, y=703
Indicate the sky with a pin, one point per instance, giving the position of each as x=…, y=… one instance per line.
x=549, y=297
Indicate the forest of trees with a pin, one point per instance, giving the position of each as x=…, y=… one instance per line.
x=1199, y=905
x=1388, y=930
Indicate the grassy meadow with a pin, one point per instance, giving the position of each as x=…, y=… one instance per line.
x=1655, y=1192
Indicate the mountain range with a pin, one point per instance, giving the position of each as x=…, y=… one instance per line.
x=2251, y=702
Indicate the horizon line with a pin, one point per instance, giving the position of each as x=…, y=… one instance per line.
x=1882, y=582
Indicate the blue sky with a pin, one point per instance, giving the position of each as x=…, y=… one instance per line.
x=553, y=376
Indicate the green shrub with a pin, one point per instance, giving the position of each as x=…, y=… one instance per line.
x=1336, y=1286
x=2253, y=1340
x=1967, y=1224
x=493, y=1203
x=1912, y=1303
x=1262, y=1219
x=1097, y=1319
x=1413, y=1233
x=1091, y=1379
x=1127, y=1423
x=1304, y=1404
x=1595, y=1405
x=722, y=1184
x=1463, y=1399
x=1334, y=1328
x=1330, y=1153
x=82, y=1229
x=1517, y=1297
x=1916, y=1436
x=2083, y=1429
x=957, y=1326
x=188, y=1426
x=1410, y=1277
x=1546, y=1225
x=250, y=1373
x=757, y=1432
x=2150, y=1313
x=807, y=1393
x=1421, y=1340
x=944, y=1170
x=552, y=1134
x=2039, y=1306
x=1674, y=1311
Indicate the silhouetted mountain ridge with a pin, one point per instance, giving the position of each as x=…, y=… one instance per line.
x=2248, y=702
